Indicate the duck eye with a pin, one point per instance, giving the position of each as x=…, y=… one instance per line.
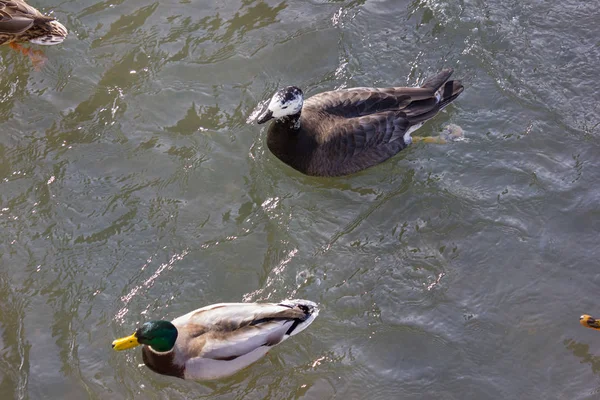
x=284, y=107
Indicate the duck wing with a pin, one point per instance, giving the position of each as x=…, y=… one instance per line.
x=358, y=143
x=359, y=102
x=362, y=101
x=348, y=145
x=351, y=145
x=16, y=16
x=230, y=330
x=356, y=102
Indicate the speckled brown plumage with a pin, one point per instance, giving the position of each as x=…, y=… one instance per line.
x=19, y=22
x=345, y=131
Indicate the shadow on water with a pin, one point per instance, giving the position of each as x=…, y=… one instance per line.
x=582, y=351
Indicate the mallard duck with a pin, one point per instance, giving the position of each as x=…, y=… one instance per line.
x=345, y=131
x=218, y=340
x=589, y=322
x=19, y=22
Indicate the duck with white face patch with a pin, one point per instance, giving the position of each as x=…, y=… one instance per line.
x=286, y=103
x=345, y=131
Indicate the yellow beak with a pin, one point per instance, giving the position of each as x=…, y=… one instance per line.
x=125, y=343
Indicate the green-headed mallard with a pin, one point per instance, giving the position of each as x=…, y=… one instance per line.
x=218, y=340
x=345, y=131
x=19, y=22
x=589, y=322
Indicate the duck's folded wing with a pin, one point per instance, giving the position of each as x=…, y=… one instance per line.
x=235, y=315
x=14, y=18
x=361, y=101
x=233, y=344
x=17, y=16
x=359, y=143
x=229, y=330
x=20, y=9
x=358, y=102
x=14, y=25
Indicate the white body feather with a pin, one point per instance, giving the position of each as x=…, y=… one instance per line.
x=199, y=368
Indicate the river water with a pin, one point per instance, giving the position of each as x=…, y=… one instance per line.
x=134, y=188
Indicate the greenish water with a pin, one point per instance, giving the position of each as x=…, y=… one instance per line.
x=133, y=188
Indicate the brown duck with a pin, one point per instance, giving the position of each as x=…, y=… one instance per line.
x=345, y=131
x=19, y=22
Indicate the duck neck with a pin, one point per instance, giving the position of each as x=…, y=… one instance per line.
x=162, y=363
x=291, y=122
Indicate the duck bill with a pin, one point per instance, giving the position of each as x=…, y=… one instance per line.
x=264, y=117
x=125, y=343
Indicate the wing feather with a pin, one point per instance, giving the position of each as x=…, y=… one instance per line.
x=230, y=345
x=357, y=143
x=357, y=102
x=230, y=330
x=17, y=16
x=14, y=25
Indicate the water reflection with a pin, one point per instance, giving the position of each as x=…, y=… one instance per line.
x=14, y=357
x=127, y=27
x=14, y=71
x=131, y=184
x=582, y=351
x=204, y=119
x=148, y=283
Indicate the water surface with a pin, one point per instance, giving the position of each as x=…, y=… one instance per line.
x=133, y=188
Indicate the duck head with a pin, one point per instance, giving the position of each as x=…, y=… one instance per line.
x=589, y=322
x=286, y=102
x=159, y=335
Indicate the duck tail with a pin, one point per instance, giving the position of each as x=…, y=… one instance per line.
x=310, y=310
x=449, y=92
x=445, y=91
x=436, y=82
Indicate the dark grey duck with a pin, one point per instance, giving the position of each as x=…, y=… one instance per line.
x=345, y=131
